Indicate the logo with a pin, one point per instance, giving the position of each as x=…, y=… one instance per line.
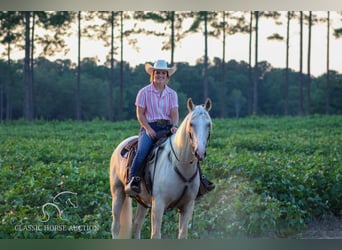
x=59, y=203
x=58, y=208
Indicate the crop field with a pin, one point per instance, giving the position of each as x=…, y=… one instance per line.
x=272, y=175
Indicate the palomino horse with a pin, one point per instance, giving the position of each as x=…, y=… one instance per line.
x=174, y=176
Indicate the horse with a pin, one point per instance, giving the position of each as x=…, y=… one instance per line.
x=174, y=175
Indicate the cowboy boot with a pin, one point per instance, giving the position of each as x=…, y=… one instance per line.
x=205, y=184
x=132, y=188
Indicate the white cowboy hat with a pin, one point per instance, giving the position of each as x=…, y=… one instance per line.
x=160, y=65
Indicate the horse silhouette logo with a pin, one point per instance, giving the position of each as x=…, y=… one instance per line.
x=59, y=203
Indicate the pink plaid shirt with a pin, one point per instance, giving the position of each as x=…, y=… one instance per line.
x=157, y=106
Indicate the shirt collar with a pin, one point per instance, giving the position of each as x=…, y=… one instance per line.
x=166, y=90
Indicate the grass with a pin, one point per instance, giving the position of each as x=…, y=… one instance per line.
x=273, y=176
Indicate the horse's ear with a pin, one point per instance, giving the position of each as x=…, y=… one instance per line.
x=207, y=105
x=190, y=105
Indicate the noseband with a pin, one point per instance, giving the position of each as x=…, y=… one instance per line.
x=194, y=153
x=192, y=144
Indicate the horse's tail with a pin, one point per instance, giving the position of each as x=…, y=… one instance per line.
x=126, y=219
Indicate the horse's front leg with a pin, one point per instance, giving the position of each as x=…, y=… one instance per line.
x=157, y=212
x=139, y=220
x=184, y=218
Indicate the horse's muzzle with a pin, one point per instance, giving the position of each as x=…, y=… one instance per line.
x=200, y=155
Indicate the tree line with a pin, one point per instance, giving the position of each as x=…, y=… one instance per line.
x=55, y=89
x=36, y=88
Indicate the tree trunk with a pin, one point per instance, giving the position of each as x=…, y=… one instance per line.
x=172, y=36
x=308, y=90
x=27, y=74
x=223, y=63
x=8, y=88
x=1, y=102
x=205, y=71
x=78, y=86
x=111, y=81
x=256, y=78
x=300, y=89
x=286, y=91
x=121, y=70
x=32, y=65
x=327, y=94
x=250, y=70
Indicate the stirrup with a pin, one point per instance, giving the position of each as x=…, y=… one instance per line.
x=205, y=186
x=133, y=186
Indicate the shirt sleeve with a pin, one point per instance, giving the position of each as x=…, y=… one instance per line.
x=174, y=100
x=140, y=100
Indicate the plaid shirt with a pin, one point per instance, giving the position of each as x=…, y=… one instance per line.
x=157, y=106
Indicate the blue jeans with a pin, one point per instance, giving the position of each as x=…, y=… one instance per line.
x=145, y=144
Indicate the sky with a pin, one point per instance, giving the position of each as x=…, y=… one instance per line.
x=192, y=47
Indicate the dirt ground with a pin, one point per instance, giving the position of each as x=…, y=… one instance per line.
x=326, y=228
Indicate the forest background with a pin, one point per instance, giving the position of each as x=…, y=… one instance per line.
x=36, y=87
x=273, y=175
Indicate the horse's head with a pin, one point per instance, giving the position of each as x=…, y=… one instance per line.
x=199, y=127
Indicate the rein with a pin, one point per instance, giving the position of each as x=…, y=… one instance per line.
x=182, y=177
x=174, y=153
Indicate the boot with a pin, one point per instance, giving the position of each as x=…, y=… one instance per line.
x=205, y=184
x=132, y=188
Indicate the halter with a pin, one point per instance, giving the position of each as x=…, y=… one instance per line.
x=174, y=153
x=182, y=177
x=187, y=181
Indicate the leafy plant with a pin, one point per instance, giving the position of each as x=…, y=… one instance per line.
x=272, y=176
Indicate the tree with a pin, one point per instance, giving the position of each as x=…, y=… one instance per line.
x=250, y=69
x=10, y=24
x=286, y=92
x=30, y=19
x=311, y=19
x=78, y=70
x=300, y=85
x=308, y=90
x=230, y=24
x=80, y=32
x=278, y=37
x=28, y=101
x=327, y=95
x=256, y=77
x=223, y=63
x=110, y=22
x=115, y=22
x=121, y=66
x=204, y=17
x=111, y=81
x=173, y=27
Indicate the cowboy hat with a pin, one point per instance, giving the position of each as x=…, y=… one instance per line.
x=160, y=65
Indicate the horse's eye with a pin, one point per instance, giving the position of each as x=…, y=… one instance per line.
x=191, y=124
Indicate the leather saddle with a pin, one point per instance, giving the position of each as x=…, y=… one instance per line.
x=130, y=150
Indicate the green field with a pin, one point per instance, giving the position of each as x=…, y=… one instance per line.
x=273, y=175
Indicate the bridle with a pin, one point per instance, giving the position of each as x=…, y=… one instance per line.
x=185, y=180
x=195, y=156
x=193, y=148
x=175, y=155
